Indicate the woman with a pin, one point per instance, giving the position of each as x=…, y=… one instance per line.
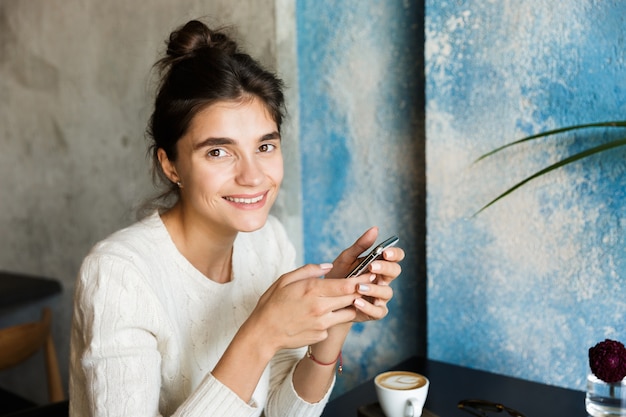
x=197, y=309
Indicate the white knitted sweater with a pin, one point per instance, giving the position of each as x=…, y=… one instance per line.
x=148, y=328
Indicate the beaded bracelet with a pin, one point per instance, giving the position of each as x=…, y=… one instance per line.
x=309, y=354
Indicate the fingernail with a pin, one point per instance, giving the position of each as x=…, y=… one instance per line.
x=375, y=266
x=358, y=302
x=372, y=277
x=326, y=266
x=364, y=288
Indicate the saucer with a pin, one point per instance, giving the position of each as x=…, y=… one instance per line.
x=374, y=410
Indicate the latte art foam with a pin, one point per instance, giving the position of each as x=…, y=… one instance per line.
x=401, y=380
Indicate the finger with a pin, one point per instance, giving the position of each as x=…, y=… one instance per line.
x=385, y=271
x=374, y=311
x=363, y=243
x=394, y=254
x=374, y=292
x=337, y=288
x=390, y=255
x=306, y=271
x=344, y=315
x=341, y=293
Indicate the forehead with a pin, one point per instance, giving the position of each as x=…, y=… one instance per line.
x=244, y=116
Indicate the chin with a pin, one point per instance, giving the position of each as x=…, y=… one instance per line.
x=252, y=225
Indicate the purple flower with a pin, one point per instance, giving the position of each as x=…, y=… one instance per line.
x=607, y=361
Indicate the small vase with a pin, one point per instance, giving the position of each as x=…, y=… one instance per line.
x=605, y=399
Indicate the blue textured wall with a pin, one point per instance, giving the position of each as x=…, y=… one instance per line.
x=526, y=287
x=362, y=145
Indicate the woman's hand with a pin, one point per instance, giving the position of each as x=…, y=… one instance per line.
x=299, y=308
x=377, y=293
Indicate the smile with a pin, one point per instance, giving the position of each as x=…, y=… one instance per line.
x=240, y=200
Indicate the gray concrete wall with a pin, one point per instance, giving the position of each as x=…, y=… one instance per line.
x=75, y=96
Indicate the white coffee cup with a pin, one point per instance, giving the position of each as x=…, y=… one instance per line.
x=401, y=393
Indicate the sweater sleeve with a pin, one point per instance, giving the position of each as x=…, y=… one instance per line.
x=284, y=400
x=116, y=357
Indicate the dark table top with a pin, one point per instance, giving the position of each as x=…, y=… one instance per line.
x=450, y=383
x=17, y=288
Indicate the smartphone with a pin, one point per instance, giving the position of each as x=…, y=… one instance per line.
x=374, y=254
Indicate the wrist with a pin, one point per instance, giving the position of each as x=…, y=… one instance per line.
x=323, y=356
x=338, y=360
x=250, y=335
x=328, y=351
x=339, y=331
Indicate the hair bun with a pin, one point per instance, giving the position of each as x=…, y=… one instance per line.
x=195, y=36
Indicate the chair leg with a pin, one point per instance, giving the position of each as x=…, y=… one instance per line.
x=55, y=385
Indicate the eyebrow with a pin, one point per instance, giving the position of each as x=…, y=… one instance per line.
x=210, y=142
x=271, y=136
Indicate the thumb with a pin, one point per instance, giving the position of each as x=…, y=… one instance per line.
x=363, y=243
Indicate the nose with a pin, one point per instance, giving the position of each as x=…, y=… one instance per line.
x=249, y=172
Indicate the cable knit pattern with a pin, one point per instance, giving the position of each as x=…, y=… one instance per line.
x=148, y=328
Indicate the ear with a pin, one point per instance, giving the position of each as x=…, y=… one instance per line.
x=167, y=166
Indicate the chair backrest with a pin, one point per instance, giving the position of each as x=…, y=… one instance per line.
x=18, y=343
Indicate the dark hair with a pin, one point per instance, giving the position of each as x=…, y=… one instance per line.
x=202, y=67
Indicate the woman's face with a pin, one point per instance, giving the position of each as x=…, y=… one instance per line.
x=230, y=166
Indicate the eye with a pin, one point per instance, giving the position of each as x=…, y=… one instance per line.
x=267, y=147
x=217, y=153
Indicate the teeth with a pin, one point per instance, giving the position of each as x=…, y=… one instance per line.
x=245, y=200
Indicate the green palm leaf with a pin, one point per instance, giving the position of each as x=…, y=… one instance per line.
x=591, y=151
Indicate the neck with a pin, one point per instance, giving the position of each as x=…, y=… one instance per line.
x=207, y=250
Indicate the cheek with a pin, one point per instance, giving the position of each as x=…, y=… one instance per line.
x=210, y=179
x=278, y=172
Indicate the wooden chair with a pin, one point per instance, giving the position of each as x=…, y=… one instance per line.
x=18, y=343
